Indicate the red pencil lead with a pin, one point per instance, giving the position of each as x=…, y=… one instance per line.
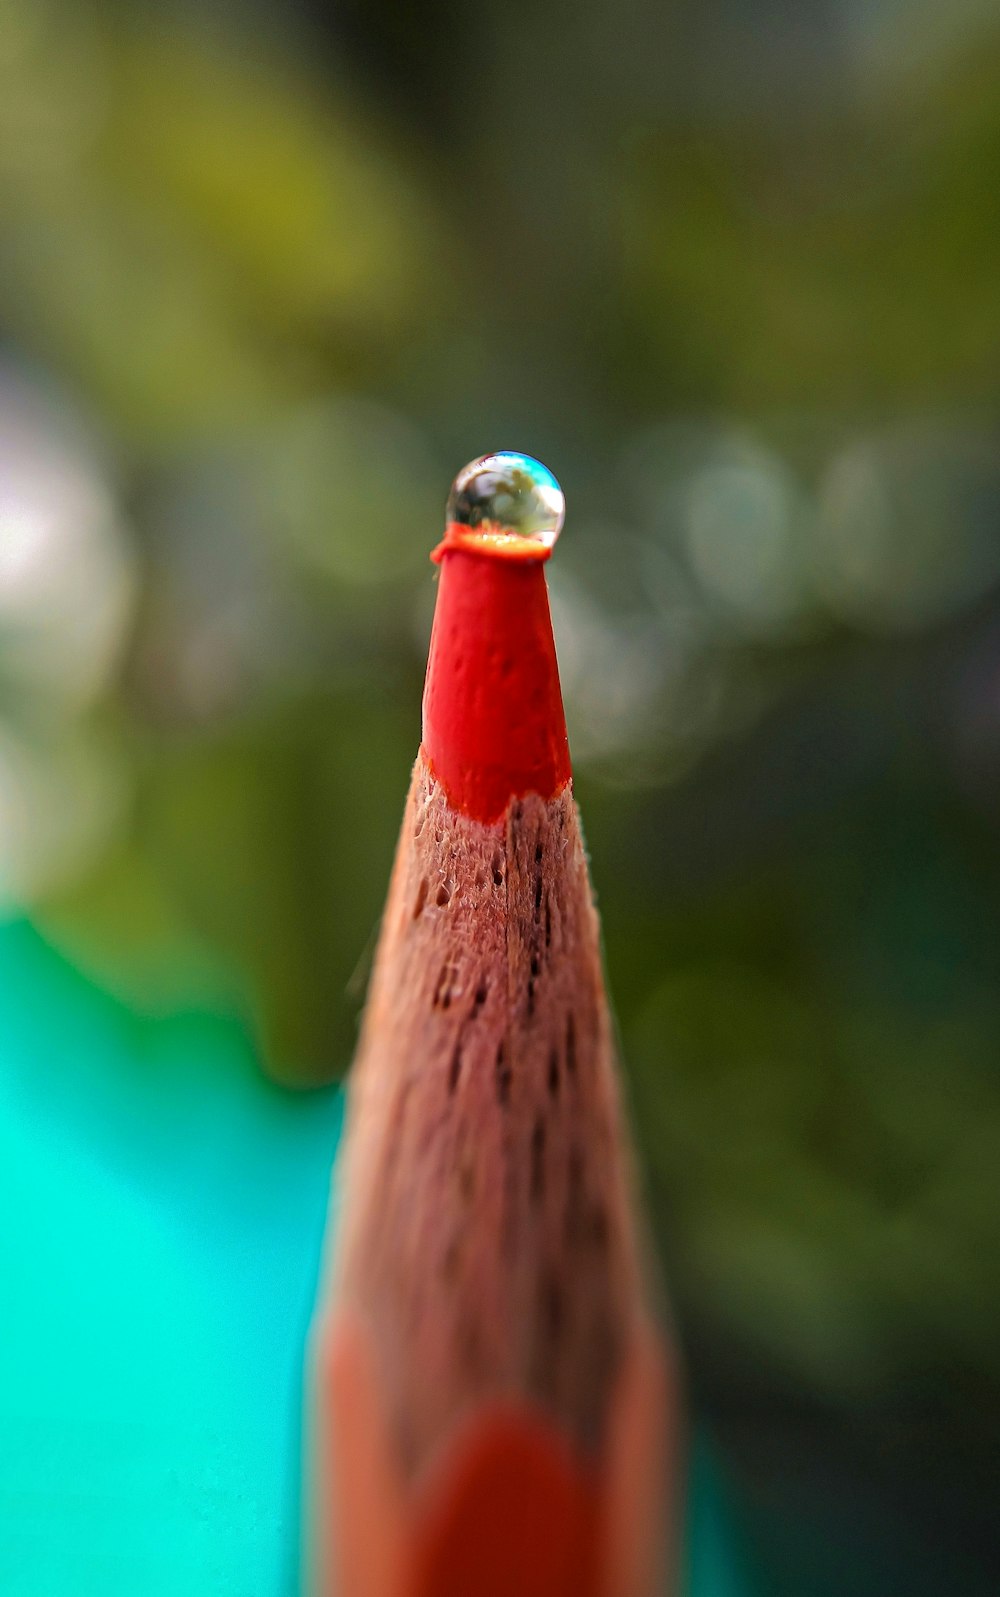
x=488, y=1370
x=494, y=726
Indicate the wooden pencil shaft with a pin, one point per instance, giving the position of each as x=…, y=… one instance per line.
x=487, y=1237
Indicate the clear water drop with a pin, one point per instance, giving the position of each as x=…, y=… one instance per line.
x=508, y=496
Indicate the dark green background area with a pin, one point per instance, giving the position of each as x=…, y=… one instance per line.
x=267, y=281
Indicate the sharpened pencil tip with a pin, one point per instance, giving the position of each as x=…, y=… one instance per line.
x=493, y=722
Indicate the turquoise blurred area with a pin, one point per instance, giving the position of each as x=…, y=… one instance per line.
x=164, y=1211
x=165, y=1208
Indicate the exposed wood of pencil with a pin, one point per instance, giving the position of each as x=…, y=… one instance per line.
x=486, y=1234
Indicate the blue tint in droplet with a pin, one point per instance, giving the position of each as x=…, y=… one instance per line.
x=508, y=493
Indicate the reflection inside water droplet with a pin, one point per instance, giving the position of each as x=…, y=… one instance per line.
x=510, y=494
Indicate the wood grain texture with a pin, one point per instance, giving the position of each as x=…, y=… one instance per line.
x=486, y=1237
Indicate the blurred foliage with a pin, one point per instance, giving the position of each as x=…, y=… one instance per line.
x=266, y=282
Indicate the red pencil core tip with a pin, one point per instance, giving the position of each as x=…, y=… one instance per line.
x=490, y=538
x=494, y=726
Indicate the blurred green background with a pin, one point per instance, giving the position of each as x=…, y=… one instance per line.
x=268, y=278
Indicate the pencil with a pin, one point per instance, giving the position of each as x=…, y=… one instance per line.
x=492, y=1392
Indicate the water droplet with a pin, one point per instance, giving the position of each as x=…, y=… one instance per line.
x=507, y=497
